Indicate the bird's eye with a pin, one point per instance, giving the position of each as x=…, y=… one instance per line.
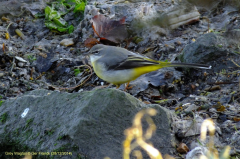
x=95, y=52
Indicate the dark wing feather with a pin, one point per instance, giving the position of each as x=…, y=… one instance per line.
x=132, y=62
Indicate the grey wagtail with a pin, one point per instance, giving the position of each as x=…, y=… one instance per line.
x=118, y=65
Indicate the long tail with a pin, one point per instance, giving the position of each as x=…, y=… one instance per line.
x=193, y=65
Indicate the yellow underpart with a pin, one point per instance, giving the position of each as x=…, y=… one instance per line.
x=119, y=77
x=146, y=69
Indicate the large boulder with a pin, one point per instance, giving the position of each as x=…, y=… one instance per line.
x=89, y=123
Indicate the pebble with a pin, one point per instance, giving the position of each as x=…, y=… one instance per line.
x=67, y=42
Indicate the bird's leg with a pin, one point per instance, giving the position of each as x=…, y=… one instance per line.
x=127, y=87
x=117, y=86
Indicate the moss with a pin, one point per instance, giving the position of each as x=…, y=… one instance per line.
x=63, y=148
x=3, y=118
x=39, y=143
x=28, y=133
x=35, y=136
x=16, y=132
x=75, y=148
x=1, y=102
x=62, y=137
x=81, y=156
x=29, y=121
x=10, y=145
x=49, y=132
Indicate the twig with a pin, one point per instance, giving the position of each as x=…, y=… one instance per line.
x=61, y=88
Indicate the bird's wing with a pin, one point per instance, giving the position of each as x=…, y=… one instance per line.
x=133, y=61
x=120, y=59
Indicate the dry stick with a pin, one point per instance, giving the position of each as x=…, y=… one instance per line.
x=237, y=66
x=8, y=26
x=61, y=88
x=210, y=86
x=7, y=29
x=234, y=63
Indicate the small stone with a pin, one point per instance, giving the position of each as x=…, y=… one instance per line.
x=1, y=74
x=23, y=73
x=196, y=153
x=15, y=89
x=20, y=59
x=67, y=42
x=20, y=64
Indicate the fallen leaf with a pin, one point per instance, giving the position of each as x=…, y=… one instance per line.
x=182, y=148
x=236, y=119
x=109, y=30
x=90, y=42
x=221, y=108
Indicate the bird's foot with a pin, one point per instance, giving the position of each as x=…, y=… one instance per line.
x=128, y=87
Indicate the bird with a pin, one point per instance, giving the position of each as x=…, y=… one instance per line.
x=117, y=65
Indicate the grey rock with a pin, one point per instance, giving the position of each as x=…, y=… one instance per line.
x=196, y=153
x=155, y=78
x=90, y=123
x=188, y=127
x=207, y=48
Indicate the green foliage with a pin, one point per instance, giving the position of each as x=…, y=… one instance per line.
x=49, y=132
x=54, y=15
x=76, y=72
x=79, y=7
x=31, y=58
x=39, y=15
x=29, y=121
x=3, y=118
x=1, y=101
x=10, y=145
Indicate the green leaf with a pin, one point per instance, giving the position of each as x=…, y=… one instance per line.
x=62, y=29
x=51, y=25
x=47, y=12
x=1, y=102
x=39, y=15
x=76, y=71
x=79, y=7
x=50, y=13
x=60, y=22
x=70, y=29
x=54, y=16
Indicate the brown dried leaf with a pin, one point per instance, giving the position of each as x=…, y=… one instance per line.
x=236, y=119
x=90, y=42
x=182, y=148
x=107, y=29
x=221, y=108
